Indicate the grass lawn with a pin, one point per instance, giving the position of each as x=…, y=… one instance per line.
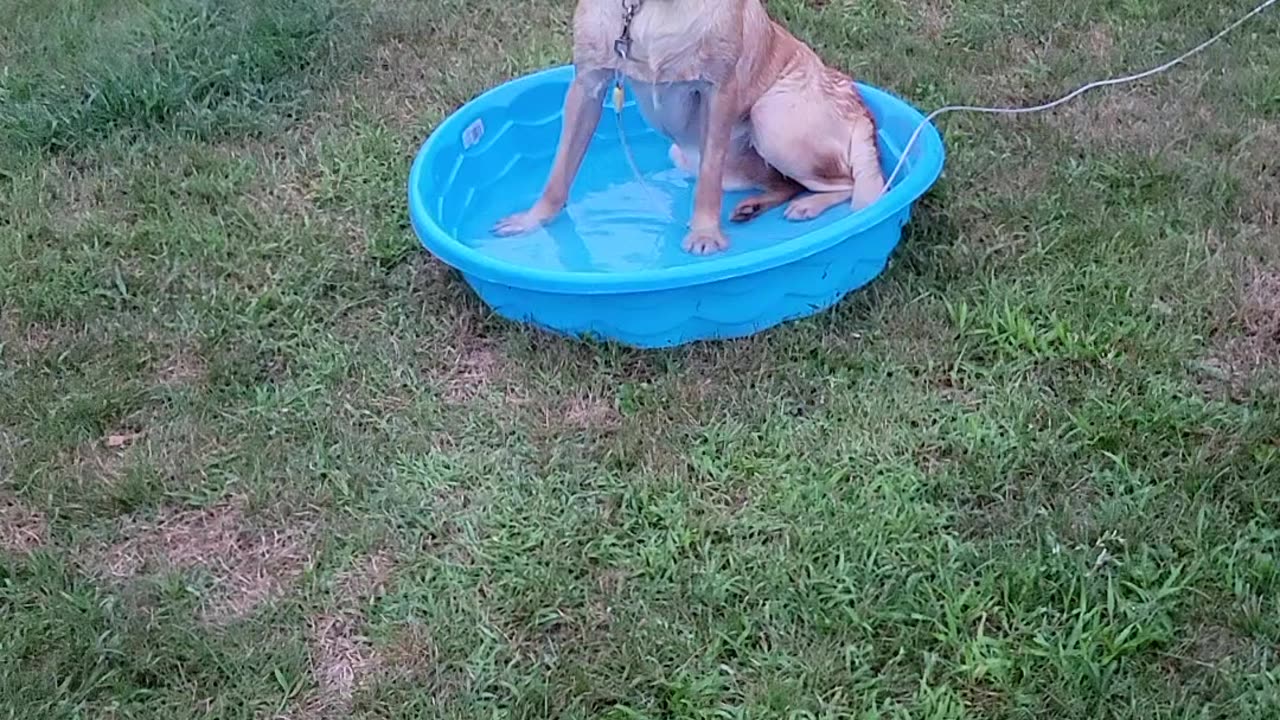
x=261, y=456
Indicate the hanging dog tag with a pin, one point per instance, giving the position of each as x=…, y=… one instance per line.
x=622, y=46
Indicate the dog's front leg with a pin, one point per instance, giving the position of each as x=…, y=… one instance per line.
x=705, y=236
x=583, y=106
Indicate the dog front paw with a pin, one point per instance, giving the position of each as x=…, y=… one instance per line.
x=705, y=241
x=806, y=208
x=520, y=223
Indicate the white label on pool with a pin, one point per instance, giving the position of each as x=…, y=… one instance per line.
x=473, y=134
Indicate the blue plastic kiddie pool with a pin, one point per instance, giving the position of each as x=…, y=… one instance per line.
x=611, y=265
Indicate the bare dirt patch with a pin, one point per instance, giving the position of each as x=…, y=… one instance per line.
x=249, y=565
x=22, y=530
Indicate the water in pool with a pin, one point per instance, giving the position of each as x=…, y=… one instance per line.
x=613, y=222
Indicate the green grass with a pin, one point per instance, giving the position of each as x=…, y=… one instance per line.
x=261, y=457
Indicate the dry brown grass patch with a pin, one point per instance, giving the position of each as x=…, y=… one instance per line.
x=32, y=337
x=287, y=193
x=935, y=17
x=249, y=566
x=413, y=654
x=181, y=368
x=342, y=657
x=988, y=518
x=172, y=449
x=1214, y=645
x=416, y=75
x=399, y=86
x=22, y=530
x=81, y=191
x=367, y=579
x=474, y=370
x=1239, y=356
x=591, y=413
x=1138, y=119
x=1257, y=164
x=288, y=184
x=1099, y=40
x=94, y=464
x=469, y=366
x=9, y=445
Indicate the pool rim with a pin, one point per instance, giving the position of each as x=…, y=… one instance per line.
x=913, y=185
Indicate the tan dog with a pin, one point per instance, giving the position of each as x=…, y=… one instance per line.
x=744, y=102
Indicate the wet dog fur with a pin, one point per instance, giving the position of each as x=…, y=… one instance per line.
x=745, y=104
